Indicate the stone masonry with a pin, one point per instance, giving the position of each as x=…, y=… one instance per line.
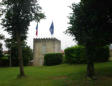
x=43, y=46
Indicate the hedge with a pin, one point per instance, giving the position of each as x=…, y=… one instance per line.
x=77, y=54
x=4, y=62
x=53, y=59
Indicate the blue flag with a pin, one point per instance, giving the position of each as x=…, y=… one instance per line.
x=51, y=29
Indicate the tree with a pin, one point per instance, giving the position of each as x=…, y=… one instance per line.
x=8, y=44
x=1, y=38
x=18, y=15
x=26, y=50
x=27, y=55
x=91, y=23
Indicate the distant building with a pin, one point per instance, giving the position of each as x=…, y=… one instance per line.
x=6, y=52
x=43, y=46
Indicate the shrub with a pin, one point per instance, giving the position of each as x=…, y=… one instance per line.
x=75, y=54
x=27, y=55
x=4, y=62
x=53, y=59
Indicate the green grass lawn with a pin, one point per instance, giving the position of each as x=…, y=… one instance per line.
x=60, y=75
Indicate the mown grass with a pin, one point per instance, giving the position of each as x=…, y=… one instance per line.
x=60, y=75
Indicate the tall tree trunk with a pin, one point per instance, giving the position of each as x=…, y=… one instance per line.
x=90, y=69
x=20, y=58
x=90, y=61
x=10, y=62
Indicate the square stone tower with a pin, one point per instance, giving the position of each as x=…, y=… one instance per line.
x=43, y=46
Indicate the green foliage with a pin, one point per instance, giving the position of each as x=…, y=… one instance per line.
x=5, y=56
x=89, y=22
x=75, y=54
x=91, y=25
x=53, y=59
x=4, y=62
x=102, y=54
x=26, y=50
x=2, y=37
x=1, y=49
x=19, y=14
x=16, y=20
x=27, y=55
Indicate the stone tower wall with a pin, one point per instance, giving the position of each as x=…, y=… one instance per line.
x=43, y=46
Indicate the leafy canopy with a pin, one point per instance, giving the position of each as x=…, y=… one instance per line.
x=91, y=22
x=19, y=14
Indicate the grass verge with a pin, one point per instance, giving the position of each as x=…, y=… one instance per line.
x=60, y=75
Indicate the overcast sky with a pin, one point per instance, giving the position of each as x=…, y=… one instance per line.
x=56, y=11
